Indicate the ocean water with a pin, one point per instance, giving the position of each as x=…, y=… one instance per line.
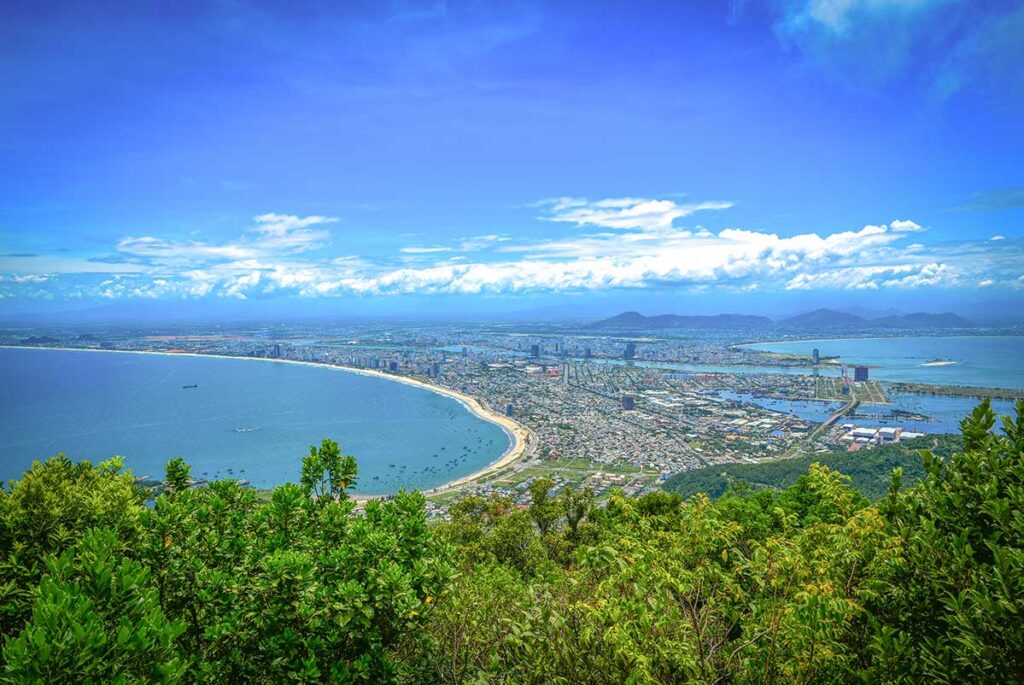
x=246, y=419
x=979, y=361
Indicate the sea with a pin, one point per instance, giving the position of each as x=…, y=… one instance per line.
x=232, y=418
x=995, y=361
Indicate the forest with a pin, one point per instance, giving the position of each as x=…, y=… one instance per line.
x=869, y=470
x=812, y=581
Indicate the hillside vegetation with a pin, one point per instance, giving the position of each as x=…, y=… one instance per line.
x=809, y=584
x=869, y=471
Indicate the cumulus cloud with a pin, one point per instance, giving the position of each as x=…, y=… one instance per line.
x=616, y=243
x=624, y=213
x=271, y=234
x=909, y=226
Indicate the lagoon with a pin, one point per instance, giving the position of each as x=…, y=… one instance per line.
x=245, y=419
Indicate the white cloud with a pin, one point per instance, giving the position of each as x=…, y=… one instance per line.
x=909, y=226
x=998, y=237
x=24, y=278
x=625, y=213
x=634, y=245
x=424, y=250
x=272, y=234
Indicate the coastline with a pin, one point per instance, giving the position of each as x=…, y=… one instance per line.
x=517, y=433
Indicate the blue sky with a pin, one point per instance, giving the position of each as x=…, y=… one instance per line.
x=431, y=156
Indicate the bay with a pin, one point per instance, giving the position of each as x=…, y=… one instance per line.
x=244, y=419
x=976, y=361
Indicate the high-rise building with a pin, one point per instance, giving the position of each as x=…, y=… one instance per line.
x=509, y=409
x=815, y=356
x=436, y=369
x=630, y=351
x=860, y=373
x=628, y=403
x=535, y=350
x=586, y=353
x=392, y=366
x=276, y=353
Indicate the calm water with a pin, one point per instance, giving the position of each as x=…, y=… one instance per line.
x=980, y=361
x=256, y=418
x=808, y=410
x=944, y=413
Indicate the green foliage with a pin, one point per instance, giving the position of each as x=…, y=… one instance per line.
x=177, y=475
x=97, y=619
x=47, y=512
x=811, y=583
x=299, y=588
x=211, y=584
x=543, y=509
x=868, y=470
x=326, y=473
x=953, y=607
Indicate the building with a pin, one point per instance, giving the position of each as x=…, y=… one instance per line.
x=815, y=356
x=630, y=352
x=860, y=373
x=509, y=410
x=535, y=350
x=628, y=402
x=392, y=366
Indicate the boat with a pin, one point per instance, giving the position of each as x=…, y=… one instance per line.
x=186, y=387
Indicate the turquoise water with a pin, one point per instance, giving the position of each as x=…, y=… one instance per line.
x=246, y=419
x=980, y=361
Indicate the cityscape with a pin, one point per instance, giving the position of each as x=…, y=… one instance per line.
x=597, y=409
x=511, y=342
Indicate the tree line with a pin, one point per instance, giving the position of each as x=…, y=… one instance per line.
x=813, y=583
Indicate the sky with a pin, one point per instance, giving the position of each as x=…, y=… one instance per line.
x=428, y=158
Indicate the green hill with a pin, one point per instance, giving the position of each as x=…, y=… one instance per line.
x=869, y=470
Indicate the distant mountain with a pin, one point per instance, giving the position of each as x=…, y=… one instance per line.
x=817, y=319
x=865, y=313
x=637, y=321
x=825, y=318
x=830, y=318
x=923, y=320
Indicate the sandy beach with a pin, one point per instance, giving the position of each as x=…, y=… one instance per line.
x=518, y=434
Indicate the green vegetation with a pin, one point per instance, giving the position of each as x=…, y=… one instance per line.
x=869, y=470
x=812, y=583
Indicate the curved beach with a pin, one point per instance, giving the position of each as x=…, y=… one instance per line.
x=517, y=433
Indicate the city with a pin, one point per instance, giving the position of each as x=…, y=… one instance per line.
x=599, y=410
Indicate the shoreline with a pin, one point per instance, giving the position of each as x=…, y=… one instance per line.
x=518, y=434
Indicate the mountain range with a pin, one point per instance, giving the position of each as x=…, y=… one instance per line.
x=817, y=319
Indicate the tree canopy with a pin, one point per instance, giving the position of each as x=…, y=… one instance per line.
x=813, y=582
